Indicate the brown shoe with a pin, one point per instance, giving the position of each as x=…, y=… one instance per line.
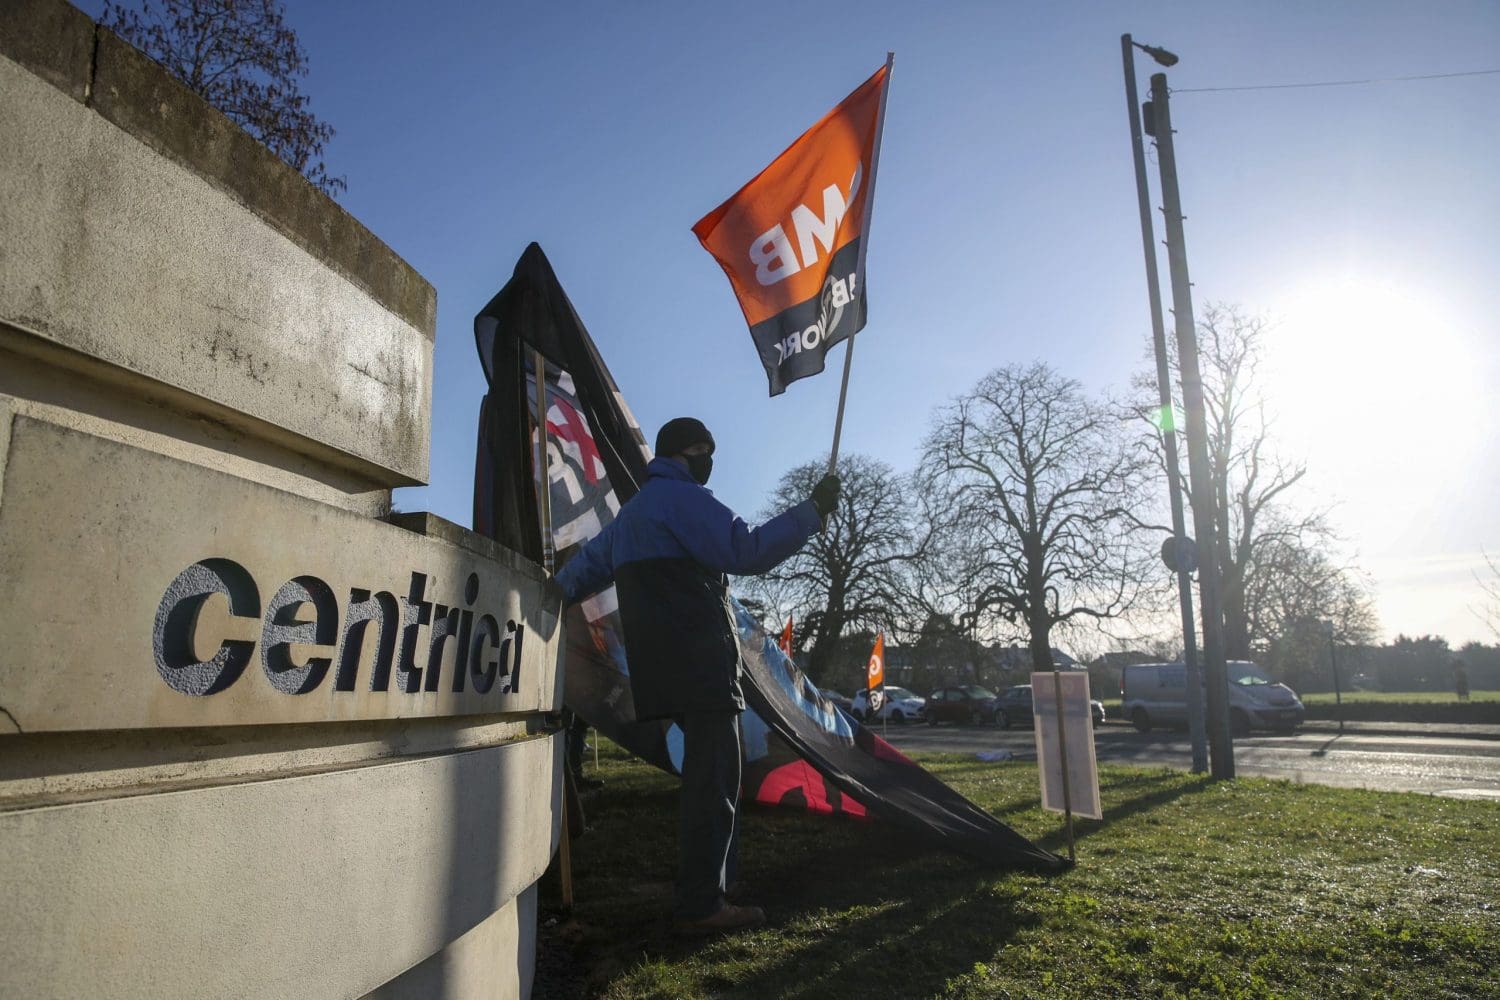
x=726, y=920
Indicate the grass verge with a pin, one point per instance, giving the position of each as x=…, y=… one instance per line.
x=1250, y=888
x=1433, y=707
x=1400, y=698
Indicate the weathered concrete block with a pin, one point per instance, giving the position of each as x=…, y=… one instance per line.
x=326, y=885
x=133, y=92
x=111, y=249
x=53, y=40
x=477, y=966
x=254, y=739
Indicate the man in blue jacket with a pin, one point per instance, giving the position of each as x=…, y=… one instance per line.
x=668, y=553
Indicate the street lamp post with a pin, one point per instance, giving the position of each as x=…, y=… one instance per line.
x=1221, y=746
x=1164, y=393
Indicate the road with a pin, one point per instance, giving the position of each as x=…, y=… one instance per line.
x=1398, y=762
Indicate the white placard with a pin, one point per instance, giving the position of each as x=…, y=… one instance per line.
x=1077, y=736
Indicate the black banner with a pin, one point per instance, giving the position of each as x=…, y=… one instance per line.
x=800, y=749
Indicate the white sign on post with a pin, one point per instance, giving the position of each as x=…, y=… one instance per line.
x=1075, y=742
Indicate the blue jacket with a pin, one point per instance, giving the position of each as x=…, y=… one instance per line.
x=668, y=552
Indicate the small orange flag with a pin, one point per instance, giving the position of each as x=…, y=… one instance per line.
x=786, y=638
x=875, y=672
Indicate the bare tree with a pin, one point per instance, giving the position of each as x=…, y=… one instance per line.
x=1489, y=611
x=1296, y=593
x=240, y=56
x=1248, y=480
x=1036, y=488
x=849, y=576
x=1294, y=580
x=943, y=653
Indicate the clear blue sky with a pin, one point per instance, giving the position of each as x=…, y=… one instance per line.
x=1364, y=218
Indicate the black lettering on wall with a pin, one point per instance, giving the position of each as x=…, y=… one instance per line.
x=364, y=609
x=515, y=635
x=460, y=668
x=177, y=623
x=483, y=650
x=415, y=613
x=445, y=626
x=465, y=627
x=486, y=631
x=282, y=628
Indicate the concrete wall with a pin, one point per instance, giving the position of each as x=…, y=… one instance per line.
x=256, y=738
x=198, y=269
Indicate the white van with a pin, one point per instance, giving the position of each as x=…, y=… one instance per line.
x=1155, y=694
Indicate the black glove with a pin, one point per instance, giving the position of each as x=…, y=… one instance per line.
x=825, y=495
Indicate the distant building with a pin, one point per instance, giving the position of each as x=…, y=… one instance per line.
x=1123, y=658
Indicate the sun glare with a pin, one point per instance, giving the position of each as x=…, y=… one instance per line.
x=1367, y=370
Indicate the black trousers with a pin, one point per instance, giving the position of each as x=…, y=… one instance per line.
x=708, y=822
x=577, y=739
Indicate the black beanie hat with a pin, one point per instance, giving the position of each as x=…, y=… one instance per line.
x=681, y=433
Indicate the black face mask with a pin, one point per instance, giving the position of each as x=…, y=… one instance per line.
x=700, y=467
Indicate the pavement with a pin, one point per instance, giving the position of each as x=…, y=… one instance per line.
x=1434, y=730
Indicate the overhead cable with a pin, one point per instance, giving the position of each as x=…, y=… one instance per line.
x=1334, y=83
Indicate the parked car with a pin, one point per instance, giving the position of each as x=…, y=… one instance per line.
x=900, y=706
x=1155, y=694
x=1013, y=708
x=967, y=703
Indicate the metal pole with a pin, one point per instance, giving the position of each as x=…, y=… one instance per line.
x=1338, y=696
x=1220, y=745
x=549, y=555
x=1169, y=432
x=838, y=422
x=864, y=246
x=565, y=846
x=539, y=366
x=1062, y=759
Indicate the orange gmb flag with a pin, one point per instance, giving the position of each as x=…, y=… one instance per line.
x=786, y=638
x=875, y=671
x=792, y=240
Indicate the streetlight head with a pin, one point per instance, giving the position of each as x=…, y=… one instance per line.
x=1162, y=56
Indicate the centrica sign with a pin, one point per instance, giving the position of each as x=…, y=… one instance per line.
x=411, y=634
x=168, y=602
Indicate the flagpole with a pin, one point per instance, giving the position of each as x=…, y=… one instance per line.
x=539, y=366
x=565, y=839
x=864, y=246
x=838, y=423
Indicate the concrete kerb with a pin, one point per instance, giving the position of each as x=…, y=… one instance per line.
x=1432, y=730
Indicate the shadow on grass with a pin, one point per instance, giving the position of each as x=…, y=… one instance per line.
x=1151, y=791
x=848, y=902
x=865, y=909
x=912, y=946
x=854, y=908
